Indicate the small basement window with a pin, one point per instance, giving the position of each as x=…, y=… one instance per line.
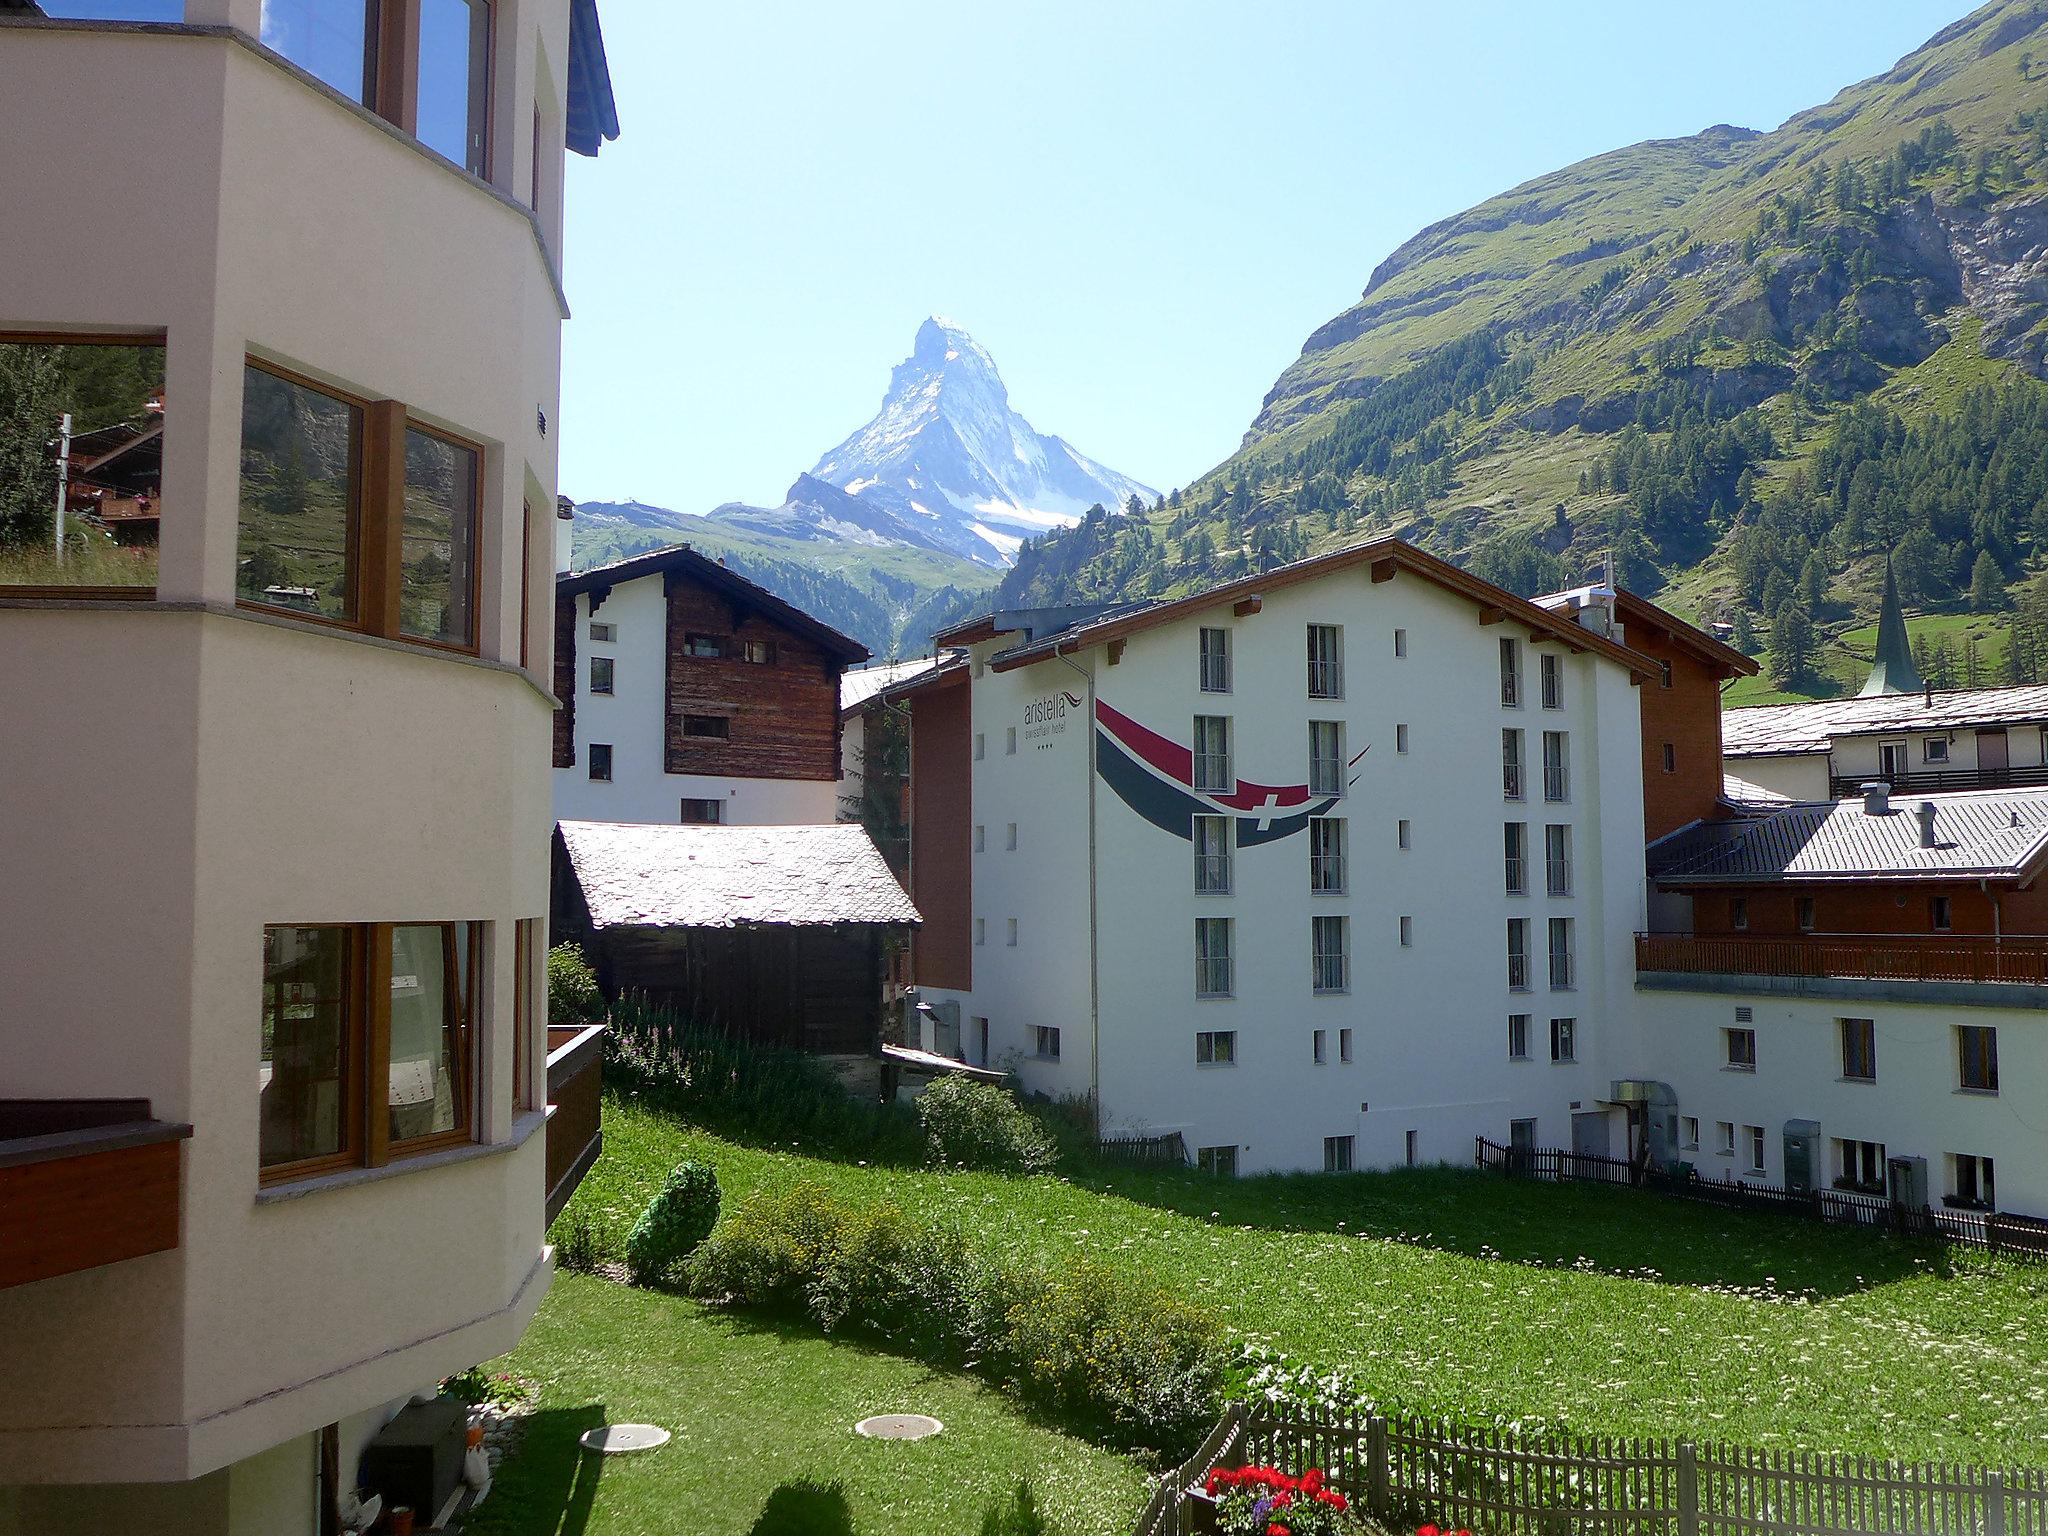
x=703, y=812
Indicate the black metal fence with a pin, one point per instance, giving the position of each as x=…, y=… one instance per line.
x=1986, y=1231
x=1402, y=1471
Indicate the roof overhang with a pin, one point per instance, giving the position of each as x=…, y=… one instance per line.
x=681, y=558
x=1697, y=643
x=1385, y=558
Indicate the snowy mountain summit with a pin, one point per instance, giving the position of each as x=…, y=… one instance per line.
x=948, y=457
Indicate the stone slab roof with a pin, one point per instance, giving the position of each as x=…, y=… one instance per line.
x=1773, y=730
x=653, y=876
x=1978, y=834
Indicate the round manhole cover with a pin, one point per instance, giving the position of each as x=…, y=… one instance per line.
x=898, y=1426
x=621, y=1439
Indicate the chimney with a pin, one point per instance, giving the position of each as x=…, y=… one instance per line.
x=1877, y=798
x=1925, y=813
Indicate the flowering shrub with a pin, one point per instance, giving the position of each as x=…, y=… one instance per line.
x=1264, y=1501
x=978, y=1125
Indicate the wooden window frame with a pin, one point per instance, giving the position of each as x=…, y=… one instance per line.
x=85, y=592
x=525, y=995
x=376, y=511
x=366, y=1118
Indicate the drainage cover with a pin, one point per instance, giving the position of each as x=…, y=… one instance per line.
x=620, y=1439
x=898, y=1426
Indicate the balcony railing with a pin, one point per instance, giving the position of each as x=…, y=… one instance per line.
x=2030, y=776
x=1853, y=956
x=575, y=1061
x=84, y=1182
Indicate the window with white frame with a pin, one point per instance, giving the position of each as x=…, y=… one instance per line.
x=1344, y=1044
x=603, y=674
x=603, y=633
x=1563, y=964
x=1326, y=871
x=1510, y=673
x=1212, y=855
x=1553, y=681
x=1971, y=1182
x=1557, y=777
x=1689, y=1133
x=1220, y=1161
x=1557, y=859
x=1215, y=647
x=1212, y=752
x=1510, y=765
x=1935, y=749
x=1213, y=976
x=1326, y=661
x=1330, y=946
x=1518, y=1037
x=1753, y=1143
x=1515, y=857
x=1724, y=1137
x=1518, y=954
x=1564, y=1039
x=1740, y=1047
x=1320, y=1044
x=1045, y=1041
x=1338, y=1152
x=1326, y=757
x=1859, y=1165
x=1216, y=1047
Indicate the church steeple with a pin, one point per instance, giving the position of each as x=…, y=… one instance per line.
x=1893, y=671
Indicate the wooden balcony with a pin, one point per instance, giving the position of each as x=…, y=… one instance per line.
x=575, y=1064
x=84, y=1182
x=2020, y=959
x=1932, y=780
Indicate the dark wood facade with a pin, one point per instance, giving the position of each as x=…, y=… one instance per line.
x=565, y=680
x=780, y=715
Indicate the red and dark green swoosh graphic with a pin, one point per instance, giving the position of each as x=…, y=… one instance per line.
x=1155, y=777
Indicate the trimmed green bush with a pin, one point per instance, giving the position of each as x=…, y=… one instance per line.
x=1125, y=1362
x=576, y=1241
x=676, y=1220
x=978, y=1125
x=573, y=995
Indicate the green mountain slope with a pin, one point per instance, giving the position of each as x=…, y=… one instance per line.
x=1743, y=365
x=889, y=597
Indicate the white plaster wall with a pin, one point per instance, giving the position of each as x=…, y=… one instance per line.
x=1800, y=776
x=1429, y=1021
x=1914, y=1107
x=197, y=775
x=632, y=719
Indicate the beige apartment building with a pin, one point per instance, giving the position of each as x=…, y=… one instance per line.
x=279, y=351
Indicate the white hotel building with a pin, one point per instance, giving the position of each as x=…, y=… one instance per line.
x=1344, y=873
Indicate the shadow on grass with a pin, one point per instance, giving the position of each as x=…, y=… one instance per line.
x=1609, y=1230
x=547, y=1488
x=805, y=1508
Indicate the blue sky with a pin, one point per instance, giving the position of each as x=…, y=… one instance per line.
x=1141, y=209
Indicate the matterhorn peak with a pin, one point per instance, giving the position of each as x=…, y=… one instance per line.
x=947, y=451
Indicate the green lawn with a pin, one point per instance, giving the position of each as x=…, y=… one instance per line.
x=762, y=1419
x=1608, y=1311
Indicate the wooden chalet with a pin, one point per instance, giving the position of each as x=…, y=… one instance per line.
x=775, y=932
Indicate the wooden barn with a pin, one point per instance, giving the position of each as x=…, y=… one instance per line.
x=777, y=932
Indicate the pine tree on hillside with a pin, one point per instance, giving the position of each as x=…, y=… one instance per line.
x=1987, y=584
x=1791, y=650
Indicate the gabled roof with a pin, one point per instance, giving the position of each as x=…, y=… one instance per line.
x=1637, y=613
x=1775, y=730
x=680, y=557
x=859, y=685
x=1384, y=557
x=1997, y=834
x=657, y=876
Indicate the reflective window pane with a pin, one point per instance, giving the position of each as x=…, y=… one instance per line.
x=329, y=39
x=455, y=40
x=430, y=985
x=437, y=560
x=304, y=1069
x=296, y=540
x=90, y=418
